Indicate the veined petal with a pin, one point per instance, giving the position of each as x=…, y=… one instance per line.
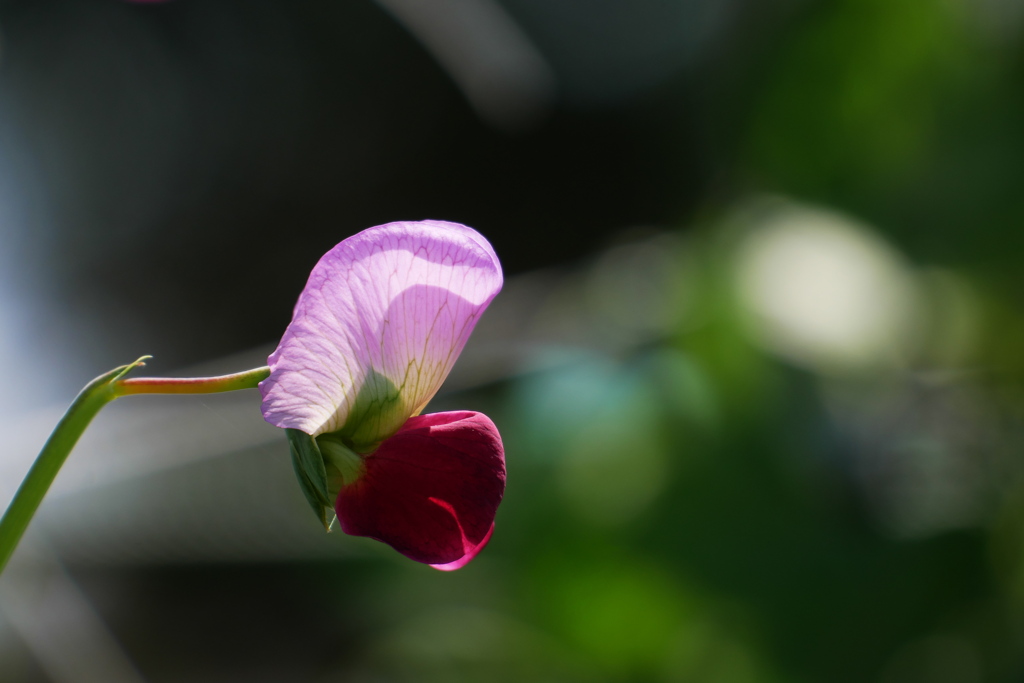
x=377, y=329
x=430, y=491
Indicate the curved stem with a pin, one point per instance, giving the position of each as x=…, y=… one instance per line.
x=86, y=405
x=192, y=385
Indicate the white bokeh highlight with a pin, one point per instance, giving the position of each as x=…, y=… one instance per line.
x=824, y=291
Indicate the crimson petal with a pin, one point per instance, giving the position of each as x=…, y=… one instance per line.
x=431, y=490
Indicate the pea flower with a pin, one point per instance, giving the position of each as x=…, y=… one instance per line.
x=376, y=330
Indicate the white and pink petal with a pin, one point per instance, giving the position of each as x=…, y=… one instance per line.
x=377, y=329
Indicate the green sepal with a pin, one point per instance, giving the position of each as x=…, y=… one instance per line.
x=312, y=475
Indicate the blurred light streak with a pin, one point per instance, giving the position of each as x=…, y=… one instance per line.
x=609, y=52
x=31, y=330
x=824, y=291
x=497, y=67
x=637, y=290
x=121, y=444
x=57, y=622
x=623, y=299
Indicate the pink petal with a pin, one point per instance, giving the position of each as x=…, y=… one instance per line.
x=464, y=560
x=431, y=490
x=377, y=329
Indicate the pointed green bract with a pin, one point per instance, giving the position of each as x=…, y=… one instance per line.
x=312, y=475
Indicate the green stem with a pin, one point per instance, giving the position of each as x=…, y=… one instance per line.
x=192, y=385
x=86, y=405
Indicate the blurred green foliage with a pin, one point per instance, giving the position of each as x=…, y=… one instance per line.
x=706, y=505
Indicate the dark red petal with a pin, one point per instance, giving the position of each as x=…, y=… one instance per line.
x=431, y=490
